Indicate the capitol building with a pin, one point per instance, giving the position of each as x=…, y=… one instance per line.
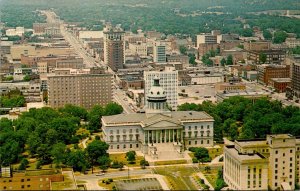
x=158, y=133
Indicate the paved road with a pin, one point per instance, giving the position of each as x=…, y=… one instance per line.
x=88, y=60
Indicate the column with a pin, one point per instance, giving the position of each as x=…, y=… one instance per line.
x=165, y=136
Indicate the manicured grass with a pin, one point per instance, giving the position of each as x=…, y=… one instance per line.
x=121, y=157
x=170, y=162
x=178, y=177
x=211, y=176
x=67, y=184
x=110, y=185
x=214, y=152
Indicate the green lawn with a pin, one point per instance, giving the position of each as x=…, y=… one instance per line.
x=67, y=184
x=121, y=157
x=178, y=177
x=211, y=176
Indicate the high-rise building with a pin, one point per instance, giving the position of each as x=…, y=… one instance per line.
x=85, y=88
x=168, y=80
x=114, y=47
x=159, y=52
x=271, y=163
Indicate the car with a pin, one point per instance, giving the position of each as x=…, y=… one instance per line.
x=100, y=174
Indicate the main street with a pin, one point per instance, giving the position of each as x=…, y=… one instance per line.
x=119, y=96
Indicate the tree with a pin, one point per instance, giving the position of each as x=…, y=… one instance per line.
x=130, y=155
x=182, y=49
x=77, y=159
x=223, y=62
x=262, y=57
x=121, y=166
x=27, y=78
x=23, y=164
x=94, y=117
x=207, y=169
x=229, y=60
x=113, y=109
x=144, y=163
x=75, y=111
x=296, y=50
x=267, y=35
x=192, y=59
x=43, y=154
x=58, y=153
x=95, y=150
x=279, y=37
x=201, y=153
x=247, y=32
x=104, y=162
x=9, y=152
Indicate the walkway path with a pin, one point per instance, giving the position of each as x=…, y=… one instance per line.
x=201, y=175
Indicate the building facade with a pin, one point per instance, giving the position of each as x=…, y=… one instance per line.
x=206, y=39
x=168, y=80
x=84, y=89
x=158, y=128
x=266, y=72
x=295, y=73
x=159, y=52
x=114, y=47
x=271, y=163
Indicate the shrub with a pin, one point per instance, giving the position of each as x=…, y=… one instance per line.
x=221, y=159
x=38, y=165
x=110, y=180
x=201, y=181
x=195, y=160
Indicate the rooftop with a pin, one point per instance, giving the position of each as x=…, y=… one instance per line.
x=242, y=157
x=143, y=117
x=281, y=79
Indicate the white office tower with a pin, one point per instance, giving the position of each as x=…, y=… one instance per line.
x=159, y=52
x=168, y=80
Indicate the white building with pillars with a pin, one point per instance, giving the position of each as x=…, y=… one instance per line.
x=158, y=133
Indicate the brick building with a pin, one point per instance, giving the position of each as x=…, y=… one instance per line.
x=266, y=72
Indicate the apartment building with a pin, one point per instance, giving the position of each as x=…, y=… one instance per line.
x=84, y=88
x=168, y=80
x=271, y=163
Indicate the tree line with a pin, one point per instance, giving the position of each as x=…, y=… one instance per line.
x=241, y=118
x=48, y=134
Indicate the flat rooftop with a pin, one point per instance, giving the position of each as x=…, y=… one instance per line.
x=233, y=152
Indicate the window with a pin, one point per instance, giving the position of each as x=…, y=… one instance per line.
x=201, y=126
x=195, y=142
x=118, y=146
x=291, y=151
x=276, y=152
x=28, y=186
x=23, y=186
x=111, y=147
x=137, y=145
x=28, y=179
x=275, y=177
x=291, y=158
x=283, y=154
x=124, y=146
x=207, y=141
x=130, y=146
x=189, y=142
x=190, y=127
x=207, y=126
x=275, y=183
x=195, y=127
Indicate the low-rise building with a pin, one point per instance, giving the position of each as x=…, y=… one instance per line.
x=253, y=95
x=266, y=72
x=272, y=56
x=280, y=84
x=292, y=42
x=230, y=87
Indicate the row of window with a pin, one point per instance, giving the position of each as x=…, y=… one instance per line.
x=124, y=146
x=195, y=127
x=201, y=142
x=124, y=131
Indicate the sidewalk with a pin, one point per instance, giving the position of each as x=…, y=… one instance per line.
x=201, y=175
